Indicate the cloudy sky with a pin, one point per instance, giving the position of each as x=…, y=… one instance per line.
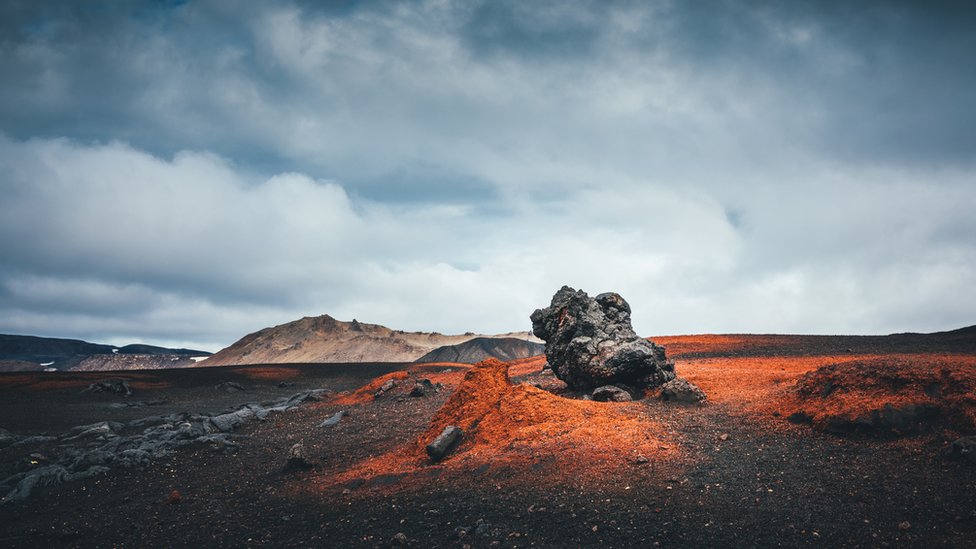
x=183, y=173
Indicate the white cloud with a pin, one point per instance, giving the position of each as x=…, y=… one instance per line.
x=443, y=165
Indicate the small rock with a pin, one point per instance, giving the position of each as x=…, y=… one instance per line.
x=422, y=388
x=115, y=386
x=723, y=436
x=904, y=525
x=335, y=419
x=230, y=387
x=462, y=531
x=398, y=540
x=963, y=448
x=444, y=443
x=482, y=529
x=641, y=459
x=682, y=390
x=611, y=393
x=297, y=460
x=174, y=497
x=800, y=417
x=390, y=384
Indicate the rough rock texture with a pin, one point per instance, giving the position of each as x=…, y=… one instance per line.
x=590, y=342
x=444, y=443
x=682, y=390
x=89, y=450
x=611, y=393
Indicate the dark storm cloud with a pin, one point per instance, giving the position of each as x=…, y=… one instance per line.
x=202, y=169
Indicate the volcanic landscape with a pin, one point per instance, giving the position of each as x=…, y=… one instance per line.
x=802, y=441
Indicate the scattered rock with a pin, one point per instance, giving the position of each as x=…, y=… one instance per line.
x=230, y=387
x=590, y=342
x=334, y=419
x=963, y=448
x=297, y=459
x=385, y=388
x=800, y=418
x=89, y=450
x=422, y=388
x=115, y=386
x=682, y=390
x=611, y=393
x=444, y=443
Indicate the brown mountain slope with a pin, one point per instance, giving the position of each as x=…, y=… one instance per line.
x=325, y=339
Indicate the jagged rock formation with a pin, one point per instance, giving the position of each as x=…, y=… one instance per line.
x=325, y=339
x=482, y=348
x=590, y=342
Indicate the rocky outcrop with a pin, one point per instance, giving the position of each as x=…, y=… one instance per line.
x=89, y=450
x=590, y=342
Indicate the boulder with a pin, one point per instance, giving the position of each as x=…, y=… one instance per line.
x=422, y=388
x=611, y=393
x=115, y=386
x=682, y=390
x=444, y=443
x=385, y=388
x=590, y=343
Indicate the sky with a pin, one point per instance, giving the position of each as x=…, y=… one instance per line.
x=186, y=172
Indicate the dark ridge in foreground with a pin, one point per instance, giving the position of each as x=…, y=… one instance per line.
x=481, y=348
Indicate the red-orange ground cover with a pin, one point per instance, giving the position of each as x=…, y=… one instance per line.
x=366, y=392
x=520, y=426
x=749, y=382
x=888, y=392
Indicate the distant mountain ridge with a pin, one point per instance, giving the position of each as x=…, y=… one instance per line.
x=16, y=351
x=480, y=348
x=325, y=339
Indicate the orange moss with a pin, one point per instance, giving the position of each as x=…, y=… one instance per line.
x=873, y=393
x=366, y=392
x=748, y=381
x=517, y=426
x=526, y=366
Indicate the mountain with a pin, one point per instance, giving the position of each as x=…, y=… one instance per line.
x=478, y=349
x=16, y=351
x=325, y=339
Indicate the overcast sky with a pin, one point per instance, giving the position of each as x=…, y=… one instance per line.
x=183, y=173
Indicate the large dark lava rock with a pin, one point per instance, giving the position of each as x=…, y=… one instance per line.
x=590, y=342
